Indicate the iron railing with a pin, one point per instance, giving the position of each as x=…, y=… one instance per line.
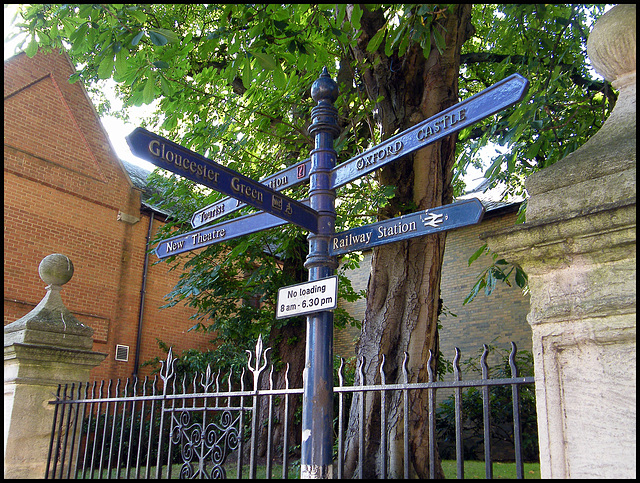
x=143, y=431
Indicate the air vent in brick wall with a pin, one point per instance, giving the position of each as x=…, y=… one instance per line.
x=122, y=353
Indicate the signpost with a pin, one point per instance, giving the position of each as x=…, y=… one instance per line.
x=318, y=297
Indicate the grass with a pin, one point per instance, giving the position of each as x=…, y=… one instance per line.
x=472, y=470
x=476, y=470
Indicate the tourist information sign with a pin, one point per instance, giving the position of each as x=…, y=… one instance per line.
x=173, y=157
x=286, y=178
x=308, y=297
x=425, y=222
x=493, y=99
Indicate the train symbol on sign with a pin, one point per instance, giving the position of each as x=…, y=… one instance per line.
x=434, y=219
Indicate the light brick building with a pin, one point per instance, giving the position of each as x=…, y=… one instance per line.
x=498, y=318
x=66, y=191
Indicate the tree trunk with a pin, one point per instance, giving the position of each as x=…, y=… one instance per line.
x=404, y=286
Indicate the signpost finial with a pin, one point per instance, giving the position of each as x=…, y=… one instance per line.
x=325, y=88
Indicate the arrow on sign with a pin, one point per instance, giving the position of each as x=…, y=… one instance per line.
x=487, y=102
x=286, y=178
x=221, y=232
x=425, y=222
x=173, y=157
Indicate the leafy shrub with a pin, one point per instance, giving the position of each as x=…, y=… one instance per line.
x=501, y=414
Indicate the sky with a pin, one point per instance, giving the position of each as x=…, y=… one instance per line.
x=118, y=130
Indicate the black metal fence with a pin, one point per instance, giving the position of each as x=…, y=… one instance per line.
x=140, y=430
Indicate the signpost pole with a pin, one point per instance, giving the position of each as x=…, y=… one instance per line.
x=317, y=404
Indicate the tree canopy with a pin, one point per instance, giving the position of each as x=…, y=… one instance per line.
x=233, y=81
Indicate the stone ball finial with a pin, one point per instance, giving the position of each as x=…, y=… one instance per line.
x=55, y=269
x=325, y=88
x=612, y=43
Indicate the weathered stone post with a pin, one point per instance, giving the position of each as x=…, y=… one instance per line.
x=46, y=347
x=578, y=247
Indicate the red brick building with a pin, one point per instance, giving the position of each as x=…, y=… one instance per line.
x=66, y=191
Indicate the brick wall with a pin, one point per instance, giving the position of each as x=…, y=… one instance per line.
x=498, y=318
x=63, y=190
x=501, y=316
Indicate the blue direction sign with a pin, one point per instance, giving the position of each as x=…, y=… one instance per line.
x=426, y=222
x=493, y=99
x=286, y=178
x=220, y=232
x=173, y=157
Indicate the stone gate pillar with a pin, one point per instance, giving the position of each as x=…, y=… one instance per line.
x=46, y=347
x=578, y=247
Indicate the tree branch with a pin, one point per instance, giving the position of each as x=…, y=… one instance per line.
x=576, y=78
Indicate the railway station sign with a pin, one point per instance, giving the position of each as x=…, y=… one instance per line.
x=425, y=222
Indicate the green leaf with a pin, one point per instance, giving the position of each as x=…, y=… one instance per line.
x=278, y=77
x=474, y=291
x=356, y=15
x=121, y=62
x=477, y=254
x=137, y=38
x=32, y=48
x=521, y=278
x=266, y=60
x=377, y=39
x=490, y=283
x=157, y=38
x=148, y=93
x=440, y=42
x=69, y=26
x=170, y=35
x=139, y=15
x=404, y=45
x=75, y=77
x=246, y=73
x=426, y=45
x=106, y=66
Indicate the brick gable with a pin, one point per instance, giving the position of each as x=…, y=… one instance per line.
x=65, y=191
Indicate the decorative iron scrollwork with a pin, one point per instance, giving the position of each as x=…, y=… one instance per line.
x=204, y=449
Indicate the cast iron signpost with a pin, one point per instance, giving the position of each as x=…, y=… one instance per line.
x=319, y=296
